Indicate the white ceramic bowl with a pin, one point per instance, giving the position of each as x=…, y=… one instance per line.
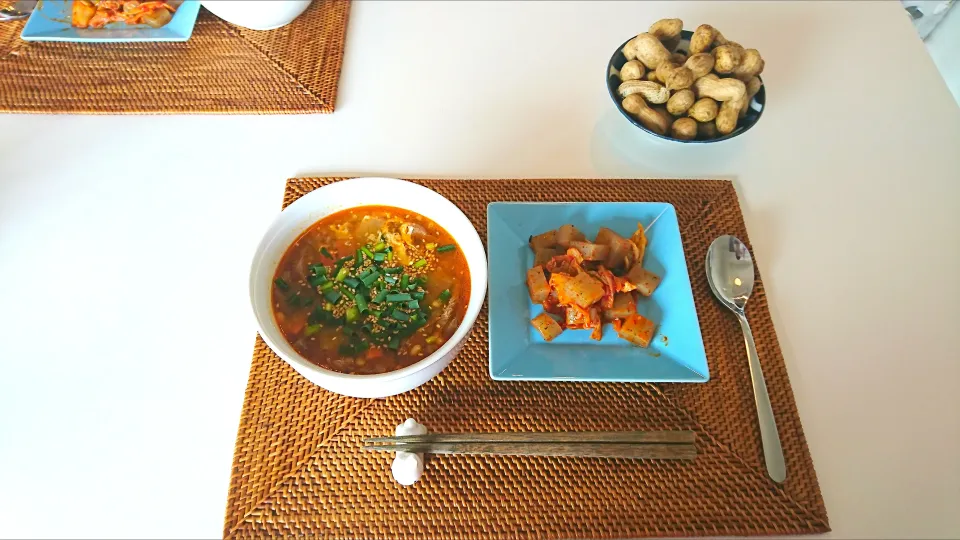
x=257, y=14
x=309, y=209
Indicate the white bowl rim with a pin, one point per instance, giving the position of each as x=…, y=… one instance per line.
x=465, y=327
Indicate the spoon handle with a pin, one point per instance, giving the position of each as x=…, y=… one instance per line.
x=770, y=437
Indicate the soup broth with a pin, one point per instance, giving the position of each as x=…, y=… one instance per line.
x=371, y=289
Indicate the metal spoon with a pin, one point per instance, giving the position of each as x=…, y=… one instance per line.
x=730, y=275
x=19, y=10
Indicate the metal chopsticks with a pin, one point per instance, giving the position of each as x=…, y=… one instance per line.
x=628, y=444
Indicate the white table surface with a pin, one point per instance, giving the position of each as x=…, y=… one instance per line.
x=127, y=333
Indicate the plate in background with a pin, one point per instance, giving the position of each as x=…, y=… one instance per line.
x=519, y=352
x=51, y=22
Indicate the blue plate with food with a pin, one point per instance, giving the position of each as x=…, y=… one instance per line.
x=102, y=21
x=591, y=292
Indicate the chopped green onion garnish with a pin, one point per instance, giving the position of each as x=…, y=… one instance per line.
x=393, y=270
x=448, y=247
x=418, y=295
x=365, y=273
x=371, y=278
x=328, y=306
x=326, y=253
x=311, y=329
x=361, y=303
x=420, y=264
x=399, y=315
x=316, y=281
x=326, y=286
x=342, y=274
x=379, y=257
x=281, y=284
x=353, y=283
x=366, y=251
x=352, y=313
x=390, y=279
x=379, y=246
x=413, y=304
x=348, y=294
x=394, y=343
x=404, y=297
x=332, y=295
x=358, y=258
x=404, y=281
x=376, y=312
x=317, y=269
x=346, y=350
x=445, y=295
x=380, y=297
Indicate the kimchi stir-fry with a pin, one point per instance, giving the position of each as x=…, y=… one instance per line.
x=582, y=285
x=99, y=13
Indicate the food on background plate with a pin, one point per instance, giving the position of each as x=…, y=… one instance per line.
x=582, y=284
x=99, y=13
x=714, y=69
x=371, y=289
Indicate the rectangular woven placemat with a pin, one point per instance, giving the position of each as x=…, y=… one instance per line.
x=298, y=469
x=222, y=69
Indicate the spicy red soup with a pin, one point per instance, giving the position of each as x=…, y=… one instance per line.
x=371, y=289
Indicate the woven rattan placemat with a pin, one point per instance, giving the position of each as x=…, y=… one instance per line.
x=298, y=469
x=222, y=69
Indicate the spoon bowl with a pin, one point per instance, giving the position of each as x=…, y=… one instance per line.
x=730, y=274
x=19, y=10
x=730, y=271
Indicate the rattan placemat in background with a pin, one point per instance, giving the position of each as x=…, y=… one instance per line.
x=222, y=69
x=298, y=469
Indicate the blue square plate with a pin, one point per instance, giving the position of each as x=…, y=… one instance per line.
x=51, y=22
x=518, y=352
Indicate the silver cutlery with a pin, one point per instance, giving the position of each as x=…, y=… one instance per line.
x=20, y=9
x=730, y=274
x=629, y=444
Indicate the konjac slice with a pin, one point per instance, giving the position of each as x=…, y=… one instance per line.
x=568, y=233
x=590, y=251
x=636, y=329
x=645, y=281
x=624, y=305
x=547, y=326
x=583, y=290
x=543, y=241
x=537, y=285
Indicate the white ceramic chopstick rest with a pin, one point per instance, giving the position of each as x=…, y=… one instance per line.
x=408, y=467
